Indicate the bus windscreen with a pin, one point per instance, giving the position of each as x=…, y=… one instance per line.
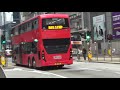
x=55, y=23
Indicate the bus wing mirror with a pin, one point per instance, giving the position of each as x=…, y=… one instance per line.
x=35, y=40
x=22, y=42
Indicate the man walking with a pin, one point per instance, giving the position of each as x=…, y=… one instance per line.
x=84, y=52
x=78, y=54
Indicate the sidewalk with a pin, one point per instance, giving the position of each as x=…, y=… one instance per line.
x=9, y=66
x=100, y=60
x=2, y=74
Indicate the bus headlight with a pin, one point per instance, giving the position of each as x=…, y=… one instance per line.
x=71, y=53
x=43, y=55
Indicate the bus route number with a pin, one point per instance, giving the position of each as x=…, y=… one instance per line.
x=55, y=27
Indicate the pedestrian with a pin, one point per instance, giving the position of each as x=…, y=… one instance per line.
x=97, y=32
x=84, y=52
x=89, y=55
x=109, y=51
x=100, y=31
x=104, y=51
x=78, y=54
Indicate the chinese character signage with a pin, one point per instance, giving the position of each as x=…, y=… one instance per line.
x=99, y=27
x=116, y=24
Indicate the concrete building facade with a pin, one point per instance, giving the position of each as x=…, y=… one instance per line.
x=114, y=44
x=7, y=21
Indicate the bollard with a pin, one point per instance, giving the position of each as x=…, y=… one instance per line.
x=3, y=61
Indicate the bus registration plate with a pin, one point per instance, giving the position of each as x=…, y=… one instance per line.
x=57, y=57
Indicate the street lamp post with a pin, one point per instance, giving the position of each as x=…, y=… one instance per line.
x=96, y=52
x=4, y=22
x=9, y=33
x=4, y=28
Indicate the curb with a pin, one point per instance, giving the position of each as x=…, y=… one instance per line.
x=107, y=62
x=95, y=61
x=100, y=62
x=2, y=75
x=10, y=66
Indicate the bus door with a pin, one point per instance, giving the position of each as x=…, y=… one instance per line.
x=16, y=53
x=20, y=53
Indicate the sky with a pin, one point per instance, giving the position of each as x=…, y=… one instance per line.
x=9, y=16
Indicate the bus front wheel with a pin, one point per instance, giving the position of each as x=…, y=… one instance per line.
x=34, y=63
x=29, y=64
x=16, y=64
x=61, y=66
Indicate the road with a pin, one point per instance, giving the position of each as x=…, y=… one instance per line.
x=77, y=70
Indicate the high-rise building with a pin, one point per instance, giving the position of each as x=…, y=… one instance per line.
x=16, y=17
x=5, y=17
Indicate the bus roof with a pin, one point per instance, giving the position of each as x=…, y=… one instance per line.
x=45, y=16
x=26, y=21
x=54, y=15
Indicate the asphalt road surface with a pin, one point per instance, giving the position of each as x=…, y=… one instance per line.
x=76, y=70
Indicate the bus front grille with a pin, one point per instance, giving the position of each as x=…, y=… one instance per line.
x=54, y=46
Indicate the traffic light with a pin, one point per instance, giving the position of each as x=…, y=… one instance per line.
x=88, y=35
x=3, y=41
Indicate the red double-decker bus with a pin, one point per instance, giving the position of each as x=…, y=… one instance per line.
x=43, y=41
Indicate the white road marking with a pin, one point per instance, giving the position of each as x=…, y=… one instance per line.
x=15, y=69
x=36, y=71
x=94, y=69
x=90, y=69
x=117, y=72
x=48, y=73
